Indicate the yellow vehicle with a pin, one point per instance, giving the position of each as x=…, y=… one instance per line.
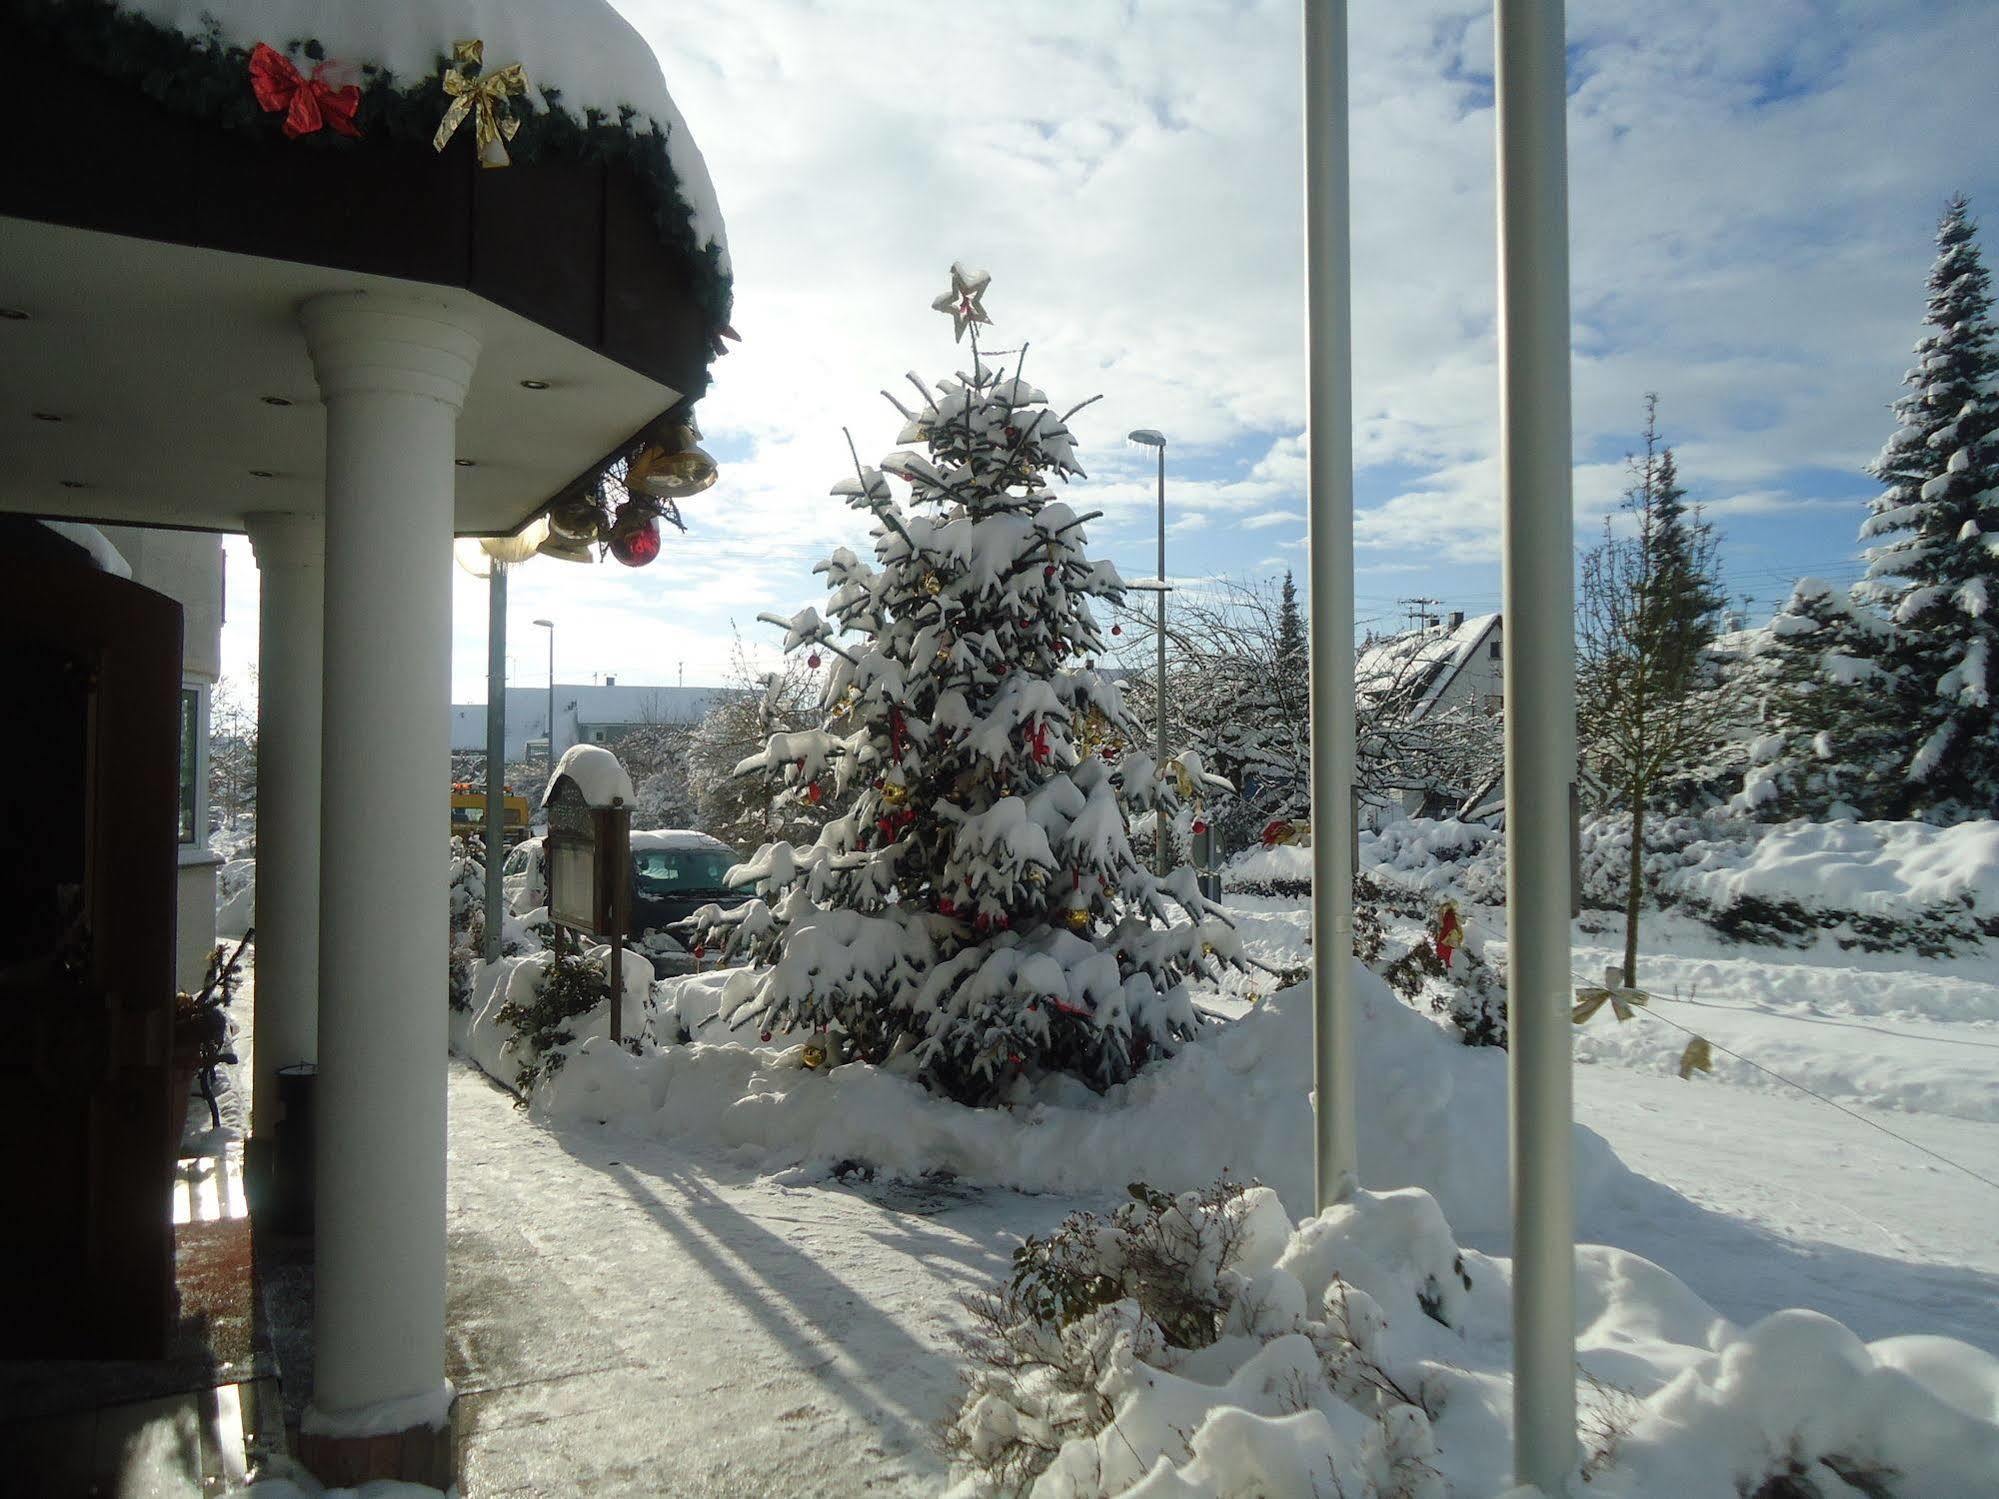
x=468, y=812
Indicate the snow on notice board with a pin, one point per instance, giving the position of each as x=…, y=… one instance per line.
x=582, y=48
x=597, y=774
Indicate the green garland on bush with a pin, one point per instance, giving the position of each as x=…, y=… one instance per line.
x=208, y=79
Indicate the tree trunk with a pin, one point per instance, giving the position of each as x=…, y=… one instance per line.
x=1634, y=890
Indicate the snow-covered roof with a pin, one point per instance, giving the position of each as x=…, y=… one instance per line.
x=597, y=774
x=581, y=49
x=1420, y=663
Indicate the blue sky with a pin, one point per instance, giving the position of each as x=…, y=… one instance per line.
x=1753, y=194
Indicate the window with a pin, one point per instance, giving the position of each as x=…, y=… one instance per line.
x=664, y=871
x=1494, y=651
x=190, y=765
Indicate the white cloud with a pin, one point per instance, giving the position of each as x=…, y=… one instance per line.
x=1751, y=194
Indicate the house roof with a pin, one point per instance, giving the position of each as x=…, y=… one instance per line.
x=1420, y=665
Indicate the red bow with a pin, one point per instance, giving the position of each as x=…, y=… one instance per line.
x=1038, y=737
x=308, y=104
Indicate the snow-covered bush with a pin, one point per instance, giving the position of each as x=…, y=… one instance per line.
x=541, y=1013
x=1153, y=1312
x=1363, y=1355
x=468, y=917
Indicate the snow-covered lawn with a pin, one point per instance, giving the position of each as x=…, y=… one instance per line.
x=686, y=1299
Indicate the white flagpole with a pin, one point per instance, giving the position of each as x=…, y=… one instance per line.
x=1329, y=380
x=1540, y=723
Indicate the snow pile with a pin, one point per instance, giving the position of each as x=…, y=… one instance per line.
x=235, y=897
x=597, y=774
x=1236, y=1099
x=1285, y=870
x=1364, y=1354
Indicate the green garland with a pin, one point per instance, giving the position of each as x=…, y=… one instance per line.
x=208, y=79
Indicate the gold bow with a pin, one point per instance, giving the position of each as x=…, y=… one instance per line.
x=480, y=97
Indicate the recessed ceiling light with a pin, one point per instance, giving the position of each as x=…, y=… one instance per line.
x=47, y=416
x=534, y=385
x=274, y=400
x=14, y=314
x=74, y=484
x=464, y=463
x=262, y=473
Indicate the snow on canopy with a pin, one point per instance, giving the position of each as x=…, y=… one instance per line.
x=583, y=49
x=1420, y=663
x=597, y=774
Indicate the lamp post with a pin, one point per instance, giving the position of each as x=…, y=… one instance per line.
x=549, y=625
x=1151, y=439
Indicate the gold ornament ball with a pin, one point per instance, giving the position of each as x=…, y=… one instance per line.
x=1077, y=920
x=894, y=794
x=932, y=584
x=814, y=1057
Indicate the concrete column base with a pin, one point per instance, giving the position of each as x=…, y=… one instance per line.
x=418, y=1454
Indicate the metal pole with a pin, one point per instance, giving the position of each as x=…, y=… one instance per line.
x=1159, y=862
x=1538, y=568
x=1329, y=505
x=496, y=752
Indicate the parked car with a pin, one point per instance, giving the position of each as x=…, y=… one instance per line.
x=675, y=872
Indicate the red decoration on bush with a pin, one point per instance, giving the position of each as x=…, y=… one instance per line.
x=308, y=104
x=815, y=793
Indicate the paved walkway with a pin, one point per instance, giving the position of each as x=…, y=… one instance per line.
x=627, y=1318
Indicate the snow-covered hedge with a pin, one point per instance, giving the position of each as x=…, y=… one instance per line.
x=1362, y=1354
x=1877, y=886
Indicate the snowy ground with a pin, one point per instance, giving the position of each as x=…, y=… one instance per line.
x=647, y=1310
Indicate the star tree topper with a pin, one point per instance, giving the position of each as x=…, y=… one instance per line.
x=964, y=301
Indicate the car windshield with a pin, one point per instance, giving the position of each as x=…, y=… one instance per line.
x=669, y=871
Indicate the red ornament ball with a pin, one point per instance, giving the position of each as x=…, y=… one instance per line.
x=636, y=545
x=1117, y=629
x=1012, y=433
x=1048, y=571
x=766, y=1035
x=1200, y=827
x=813, y=660
x=700, y=952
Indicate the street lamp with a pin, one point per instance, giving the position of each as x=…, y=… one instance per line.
x=1146, y=437
x=549, y=625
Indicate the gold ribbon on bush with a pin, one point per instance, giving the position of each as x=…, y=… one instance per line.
x=481, y=98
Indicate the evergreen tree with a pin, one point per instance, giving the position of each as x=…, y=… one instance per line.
x=978, y=915
x=1292, y=651
x=1934, y=562
x=1828, y=749
x=1647, y=700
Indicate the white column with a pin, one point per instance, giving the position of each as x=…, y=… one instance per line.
x=1329, y=505
x=1538, y=568
x=291, y=553
x=393, y=373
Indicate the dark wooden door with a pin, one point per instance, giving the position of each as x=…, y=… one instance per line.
x=88, y=831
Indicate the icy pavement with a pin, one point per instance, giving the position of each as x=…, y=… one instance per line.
x=630, y=1317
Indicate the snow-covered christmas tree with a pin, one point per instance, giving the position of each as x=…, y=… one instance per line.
x=1934, y=562
x=978, y=916
x=1827, y=749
